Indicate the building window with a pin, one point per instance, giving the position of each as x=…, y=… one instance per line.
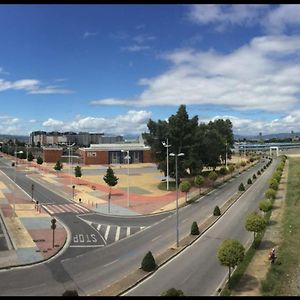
x=91, y=154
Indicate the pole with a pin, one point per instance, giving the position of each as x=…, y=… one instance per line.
x=226, y=156
x=15, y=178
x=177, y=228
x=128, y=204
x=167, y=164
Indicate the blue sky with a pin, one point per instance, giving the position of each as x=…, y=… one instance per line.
x=109, y=68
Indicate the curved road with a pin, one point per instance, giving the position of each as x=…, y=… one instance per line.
x=90, y=269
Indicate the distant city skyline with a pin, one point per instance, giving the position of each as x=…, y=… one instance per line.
x=109, y=68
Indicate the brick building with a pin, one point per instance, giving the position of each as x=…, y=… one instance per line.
x=52, y=155
x=115, y=154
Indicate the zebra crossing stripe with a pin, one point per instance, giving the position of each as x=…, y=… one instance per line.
x=69, y=206
x=47, y=209
x=81, y=207
x=106, y=232
x=128, y=231
x=117, y=233
x=98, y=227
x=58, y=208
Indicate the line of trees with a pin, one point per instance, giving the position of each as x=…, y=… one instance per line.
x=202, y=144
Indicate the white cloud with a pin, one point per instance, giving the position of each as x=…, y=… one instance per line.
x=2, y=71
x=32, y=121
x=225, y=15
x=88, y=34
x=264, y=75
x=32, y=86
x=55, y=124
x=135, y=48
x=133, y=122
x=110, y=101
x=142, y=38
x=282, y=17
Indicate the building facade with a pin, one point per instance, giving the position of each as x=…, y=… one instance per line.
x=115, y=154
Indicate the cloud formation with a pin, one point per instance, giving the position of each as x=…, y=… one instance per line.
x=263, y=74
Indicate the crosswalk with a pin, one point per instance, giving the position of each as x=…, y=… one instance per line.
x=114, y=233
x=65, y=208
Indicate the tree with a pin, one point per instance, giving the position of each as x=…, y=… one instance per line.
x=217, y=211
x=111, y=180
x=185, y=187
x=30, y=156
x=58, y=166
x=213, y=176
x=254, y=176
x=265, y=205
x=270, y=194
x=241, y=187
x=172, y=292
x=255, y=223
x=39, y=161
x=249, y=181
x=195, y=229
x=199, y=180
x=148, y=262
x=77, y=171
x=273, y=184
x=230, y=253
x=231, y=169
x=23, y=155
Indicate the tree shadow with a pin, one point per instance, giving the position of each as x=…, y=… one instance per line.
x=266, y=244
x=247, y=283
x=272, y=222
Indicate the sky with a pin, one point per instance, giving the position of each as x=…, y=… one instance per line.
x=110, y=68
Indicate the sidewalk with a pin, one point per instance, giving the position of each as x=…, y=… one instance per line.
x=29, y=238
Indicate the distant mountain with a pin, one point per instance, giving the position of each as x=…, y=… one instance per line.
x=21, y=138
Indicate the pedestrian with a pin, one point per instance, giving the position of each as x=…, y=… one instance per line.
x=272, y=255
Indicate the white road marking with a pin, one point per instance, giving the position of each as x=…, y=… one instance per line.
x=117, y=233
x=128, y=231
x=107, y=231
x=142, y=227
x=69, y=206
x=111, y=263
x=156, y=238
x=47, y=209
x=58, y=208
x=98, y=227
x=81, y=207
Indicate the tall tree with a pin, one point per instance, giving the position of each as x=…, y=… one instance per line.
x=30, y=156
x=58, y=166
x=111, y=180
x=39, y=160
x=77, y=171
x=230, y=253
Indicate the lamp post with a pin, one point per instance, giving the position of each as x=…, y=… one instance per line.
x=226, y=156
x=70, y=170
x=15, y=177
x=167, y=146
x=177, y=221
x=128, y=160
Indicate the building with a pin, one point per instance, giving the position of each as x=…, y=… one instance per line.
x=115, y=154
x=51, y=154
x=82, y=139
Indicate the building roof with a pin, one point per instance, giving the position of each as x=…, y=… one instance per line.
x=116, y=147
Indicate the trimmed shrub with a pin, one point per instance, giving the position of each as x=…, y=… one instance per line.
x=254, y=176
x=70, y=293
x=148, y=263
x=258, y=172
x=241, y=187
x=273, y=184
x=265, y=205
x=217, y=211
x=195, y=229
x=249, y=181
x=243, y=163
x=270, y=194
x=223, y=171
x=172, y=292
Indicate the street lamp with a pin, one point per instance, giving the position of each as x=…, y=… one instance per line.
x=70, y=170
x=15, y=177
x=167, y=146
x=128, y=160
x=226, y=156
x=177, y=225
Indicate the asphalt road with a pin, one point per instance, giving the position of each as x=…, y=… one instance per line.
x=90, y=269
x=197, y=271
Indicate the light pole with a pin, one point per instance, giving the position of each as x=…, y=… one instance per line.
x=128, y=160
x=15, y=177
x=226, y=156
x=70, y=170
x=167, y=146
x=177, y=223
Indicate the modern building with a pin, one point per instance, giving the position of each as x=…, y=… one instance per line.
x=115, y=154
x=82, y=139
